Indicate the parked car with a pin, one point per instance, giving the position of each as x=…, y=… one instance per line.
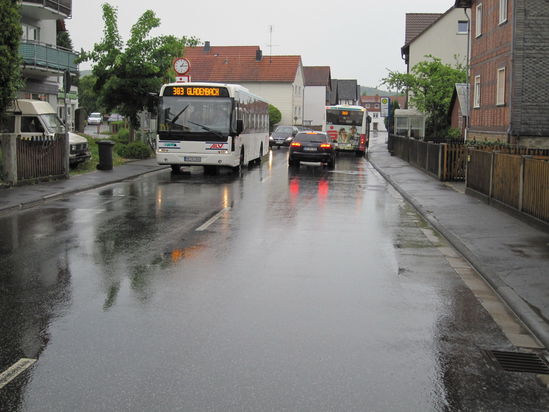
x=115, y=117
x=79, y=149
x=94, y=118
x=282, y=136
x=312, y=147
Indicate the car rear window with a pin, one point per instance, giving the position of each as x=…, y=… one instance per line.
x=311, y=137
x=284, y=129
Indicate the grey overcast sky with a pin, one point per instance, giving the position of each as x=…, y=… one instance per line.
x=358, y=39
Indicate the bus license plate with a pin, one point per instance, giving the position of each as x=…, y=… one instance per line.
x=192, y=159
x=310, y=149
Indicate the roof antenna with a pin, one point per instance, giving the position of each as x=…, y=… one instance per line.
x=271, y=45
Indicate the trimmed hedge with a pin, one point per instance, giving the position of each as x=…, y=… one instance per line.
x=134, y=150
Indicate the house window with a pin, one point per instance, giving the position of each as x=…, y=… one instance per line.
x=476, y=96
x=478, y=26
x=502, y=11
x=500, y=97
x=463, y=27
x=30, y=33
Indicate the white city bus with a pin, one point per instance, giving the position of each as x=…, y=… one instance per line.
x=349, y=127
x=211, y=125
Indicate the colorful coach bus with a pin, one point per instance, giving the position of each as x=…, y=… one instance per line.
x=349, y=127
x=211, y=125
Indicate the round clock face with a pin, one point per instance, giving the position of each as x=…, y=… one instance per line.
x=181, y=66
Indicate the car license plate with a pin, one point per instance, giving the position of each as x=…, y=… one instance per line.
x=192, y=159
x=310, y=149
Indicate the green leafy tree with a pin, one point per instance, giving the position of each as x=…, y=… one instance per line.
x=430, y=85
x=274, y=116
x=127, y=75
x=87, y=97
x=10, y=62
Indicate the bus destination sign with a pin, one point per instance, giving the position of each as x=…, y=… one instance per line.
x=196, y=91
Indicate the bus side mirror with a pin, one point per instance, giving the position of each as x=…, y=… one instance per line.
x=239, y=126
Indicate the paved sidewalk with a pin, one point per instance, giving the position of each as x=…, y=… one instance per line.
x=22, y=197
x=511, y=255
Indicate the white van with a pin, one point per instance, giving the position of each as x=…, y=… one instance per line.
x=35, y=118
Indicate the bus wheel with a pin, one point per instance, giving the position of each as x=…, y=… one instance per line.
x=260, y=155
x=238, y=169
x=176, y=169
x=359, y=153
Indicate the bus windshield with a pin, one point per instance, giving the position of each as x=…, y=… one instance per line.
x=194, y=118
x=344, y=117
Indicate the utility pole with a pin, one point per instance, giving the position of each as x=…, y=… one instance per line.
x=66, y=87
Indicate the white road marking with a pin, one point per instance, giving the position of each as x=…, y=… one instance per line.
x=212, y=219
x=12, y=372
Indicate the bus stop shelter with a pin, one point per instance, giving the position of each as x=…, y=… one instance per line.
x=410, y=123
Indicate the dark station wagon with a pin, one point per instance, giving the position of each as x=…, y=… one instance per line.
x=312, y=147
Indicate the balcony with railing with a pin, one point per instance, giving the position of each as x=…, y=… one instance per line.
x=47, y=58
x=47, y=9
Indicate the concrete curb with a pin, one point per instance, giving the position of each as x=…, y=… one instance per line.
x=522, y=310
x=58, y=194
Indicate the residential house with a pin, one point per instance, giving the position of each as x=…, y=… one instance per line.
x=509, y=79
x=345, y=92
x=440, y=35
x=373, y=105
x=317, y=93
x=277, y=79
x=44, y=64
x=416, y=23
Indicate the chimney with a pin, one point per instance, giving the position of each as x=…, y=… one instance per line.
x=258, y=55
x=207, y=47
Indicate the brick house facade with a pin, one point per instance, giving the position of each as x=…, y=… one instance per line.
x=509, y=79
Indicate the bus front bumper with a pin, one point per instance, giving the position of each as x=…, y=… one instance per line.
x=229, y=159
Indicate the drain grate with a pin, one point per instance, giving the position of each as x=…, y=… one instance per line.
x=519, y=361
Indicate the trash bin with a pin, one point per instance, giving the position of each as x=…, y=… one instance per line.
x=105, y=154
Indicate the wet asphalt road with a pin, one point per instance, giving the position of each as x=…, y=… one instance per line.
x=305, y=289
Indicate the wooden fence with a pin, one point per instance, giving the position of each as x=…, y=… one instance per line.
x=520, y=182
x=512, y=175
x=40, y=157
x=30, y=158
x=535, y=200
x=445, y=161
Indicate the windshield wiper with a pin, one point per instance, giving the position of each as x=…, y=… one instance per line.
x=217, y=133
x=178, y=114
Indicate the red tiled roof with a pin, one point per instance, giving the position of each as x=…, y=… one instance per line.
x=191, y=52
x=236, y=64
x=317, y=75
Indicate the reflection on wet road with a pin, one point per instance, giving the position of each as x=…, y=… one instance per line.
x=283, y=289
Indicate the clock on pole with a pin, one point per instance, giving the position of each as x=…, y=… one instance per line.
x=181, y=65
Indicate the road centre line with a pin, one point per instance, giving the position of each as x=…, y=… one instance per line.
x=15, y=370
x=212, y=219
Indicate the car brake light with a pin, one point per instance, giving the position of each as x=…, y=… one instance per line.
x=296, y=144
x=326, y=145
